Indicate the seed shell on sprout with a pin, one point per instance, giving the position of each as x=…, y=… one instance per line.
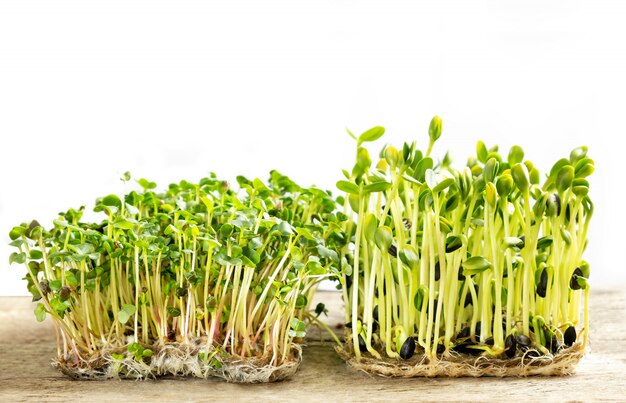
x=543, y=284
x=510, y=345
x=437, y=271
x=375, y=313
x=393, y=250
x=65, y=292
x=569, y=337
x=45, y=286
x=553, y=344
x=523, y=340
x=556, y=200
x=453, y=244
x=362, y=345
x=408, y=348
x=573, y=284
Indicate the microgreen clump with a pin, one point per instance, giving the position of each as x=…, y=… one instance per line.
x=199, y=271
x=483, y=260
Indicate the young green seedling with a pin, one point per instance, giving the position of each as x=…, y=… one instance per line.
x=482, y=260
x=197, y=279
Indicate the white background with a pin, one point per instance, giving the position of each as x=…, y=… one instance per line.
x=172, y=90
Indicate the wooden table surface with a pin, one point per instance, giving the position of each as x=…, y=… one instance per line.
x=26, y=349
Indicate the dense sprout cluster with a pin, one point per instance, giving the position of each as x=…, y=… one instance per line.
x=229, y=272
x=447, y=262
x=434, y=263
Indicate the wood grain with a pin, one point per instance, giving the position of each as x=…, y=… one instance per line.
x=26, y=348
